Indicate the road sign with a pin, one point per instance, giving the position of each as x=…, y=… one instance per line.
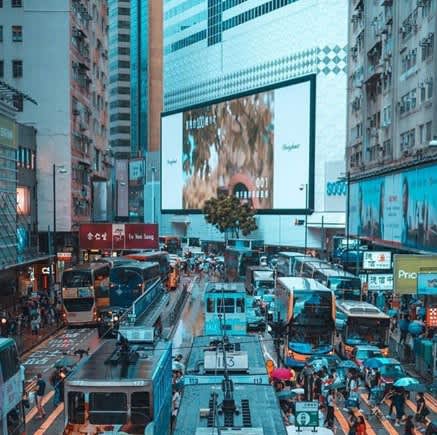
x=307, y=414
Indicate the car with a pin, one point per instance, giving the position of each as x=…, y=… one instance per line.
x=328, y=362
x=362, y=352
x=391, y=370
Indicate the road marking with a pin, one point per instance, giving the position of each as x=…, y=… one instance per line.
x=413, y=407
x=387, y=425
x=50, y=420
x=32, y=413
x=431, y=402
x=342, y=420
x=369, y=429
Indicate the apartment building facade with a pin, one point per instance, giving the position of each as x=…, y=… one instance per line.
x=392, y=123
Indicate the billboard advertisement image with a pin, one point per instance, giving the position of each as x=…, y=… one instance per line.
x=257, y=147
x=400, y=208
x=427, y=284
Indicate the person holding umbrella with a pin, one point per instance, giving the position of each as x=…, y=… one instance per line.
x=399, y=403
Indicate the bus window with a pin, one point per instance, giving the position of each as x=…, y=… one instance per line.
x=9, y=362
x=210, y=305
x=76, y=408
x=108, y=408
x=76, y=278
x=15, y=420
x=240, y=305
x=140, y=408
x=79, y=304
x=225, y=305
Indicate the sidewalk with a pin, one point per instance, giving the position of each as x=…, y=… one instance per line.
x=26, y=341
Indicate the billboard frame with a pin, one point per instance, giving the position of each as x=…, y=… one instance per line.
x=311, y=78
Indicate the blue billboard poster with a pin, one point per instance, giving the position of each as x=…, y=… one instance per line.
x=427, y=284
x=399, y=208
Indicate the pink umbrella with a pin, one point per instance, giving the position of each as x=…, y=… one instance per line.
x=281, y=374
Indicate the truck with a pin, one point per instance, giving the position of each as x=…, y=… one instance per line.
x=259, y=277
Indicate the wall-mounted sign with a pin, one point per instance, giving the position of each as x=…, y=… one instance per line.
x=380, y=281
x=118, y=236
x=431, y=317
x=64, y=256
x=377, y=260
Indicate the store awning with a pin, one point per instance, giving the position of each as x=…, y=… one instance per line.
x=27, y=261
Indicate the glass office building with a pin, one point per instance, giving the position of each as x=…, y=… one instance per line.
x=216, y=48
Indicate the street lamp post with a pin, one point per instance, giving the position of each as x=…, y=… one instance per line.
x=60, y=170
x=305, y=186
x=153, y=194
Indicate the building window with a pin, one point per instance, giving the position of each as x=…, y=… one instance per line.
x=17, y=3
x=2, y=69
x=1, y=3
x=17, y=34
x=428, y=131
x=421, y=134
x=1, y=33
x=17, y=69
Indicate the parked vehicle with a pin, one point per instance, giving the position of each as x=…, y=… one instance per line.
x=257, y=277
x=362, y=352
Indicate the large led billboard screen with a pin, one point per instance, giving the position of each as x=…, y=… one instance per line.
x=258, y=147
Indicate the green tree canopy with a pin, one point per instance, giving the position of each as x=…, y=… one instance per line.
x=230, y=216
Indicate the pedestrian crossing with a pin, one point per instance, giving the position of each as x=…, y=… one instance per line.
x=377, y=423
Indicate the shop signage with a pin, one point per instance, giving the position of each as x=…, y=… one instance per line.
x=45, y=270
x=406, y=269
x=64, y=256
x=431, y=317
x=427, y=283
x=118, y=236
x=380, y=281
x=377, y=260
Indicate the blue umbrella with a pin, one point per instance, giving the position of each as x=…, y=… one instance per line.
x=416, y=328
x=405, y=382
x=372, y=363
x=392, y=312
x=348, y=364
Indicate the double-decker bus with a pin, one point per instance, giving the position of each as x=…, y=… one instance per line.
x=361, y=323
x=128, y=281
x=11, y=389
x=344, y=284
x=236, y=261
x=160, y=257
x=225, y=308
x=85, y=290
x=287, y=262
x=171, y=244
x=306, y=309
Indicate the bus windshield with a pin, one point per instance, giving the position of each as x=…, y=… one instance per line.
x=310, y=341
x=264, y=284
x=347, y=288
x=76, y=278
x=312, y=307
x=369, y=331
x=78, y=304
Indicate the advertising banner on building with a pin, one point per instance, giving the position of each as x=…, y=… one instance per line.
x=406, y=269
x=335, y=186
x=122, y=187
x=136, y=187
x=427, y=284
x=377, y=260
x=118, y=236
x=8, y=132
x=399, y=208
x=257, y=147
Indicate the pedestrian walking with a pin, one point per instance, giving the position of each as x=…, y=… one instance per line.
x=330, y=402
x=409, y=425
x=55, y=380
x=40, y=391
x=353, y=423
x=175, y=403
x=361, y=426
x=399, y=403
x=421, y=409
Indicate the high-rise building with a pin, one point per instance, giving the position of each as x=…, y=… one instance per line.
x=56, y=51
x=119, y=78
x=392, y=120
x=214, y=49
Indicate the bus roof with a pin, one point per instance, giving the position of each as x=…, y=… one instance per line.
x=104, y=366
x=293, y=254
x=226, y=287
x=258, y=402
x=136, y=265
x=6, y=342
x=297, y=283
x=115, y=261
x=239, y=343
x=337, y=272
x=360, y=309
x=145, y=254
x=85, y=267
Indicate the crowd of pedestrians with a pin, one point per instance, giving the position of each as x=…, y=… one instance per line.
x=33, y=314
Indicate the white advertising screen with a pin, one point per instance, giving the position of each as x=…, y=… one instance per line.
x=257, y=147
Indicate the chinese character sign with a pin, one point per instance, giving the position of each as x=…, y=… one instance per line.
x=377, y=260
x=118, y=236
x=383, y=281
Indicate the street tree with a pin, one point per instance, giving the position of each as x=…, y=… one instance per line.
x=230, y=216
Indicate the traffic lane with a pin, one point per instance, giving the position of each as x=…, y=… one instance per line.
x=191, y=321
x=42, y=360
x=44, y=357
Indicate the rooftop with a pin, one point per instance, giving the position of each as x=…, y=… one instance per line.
x=297, y=283
x=218, y=287
x=360, y=308
x=107, y=364
x=240, y=345
x=201, y=411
